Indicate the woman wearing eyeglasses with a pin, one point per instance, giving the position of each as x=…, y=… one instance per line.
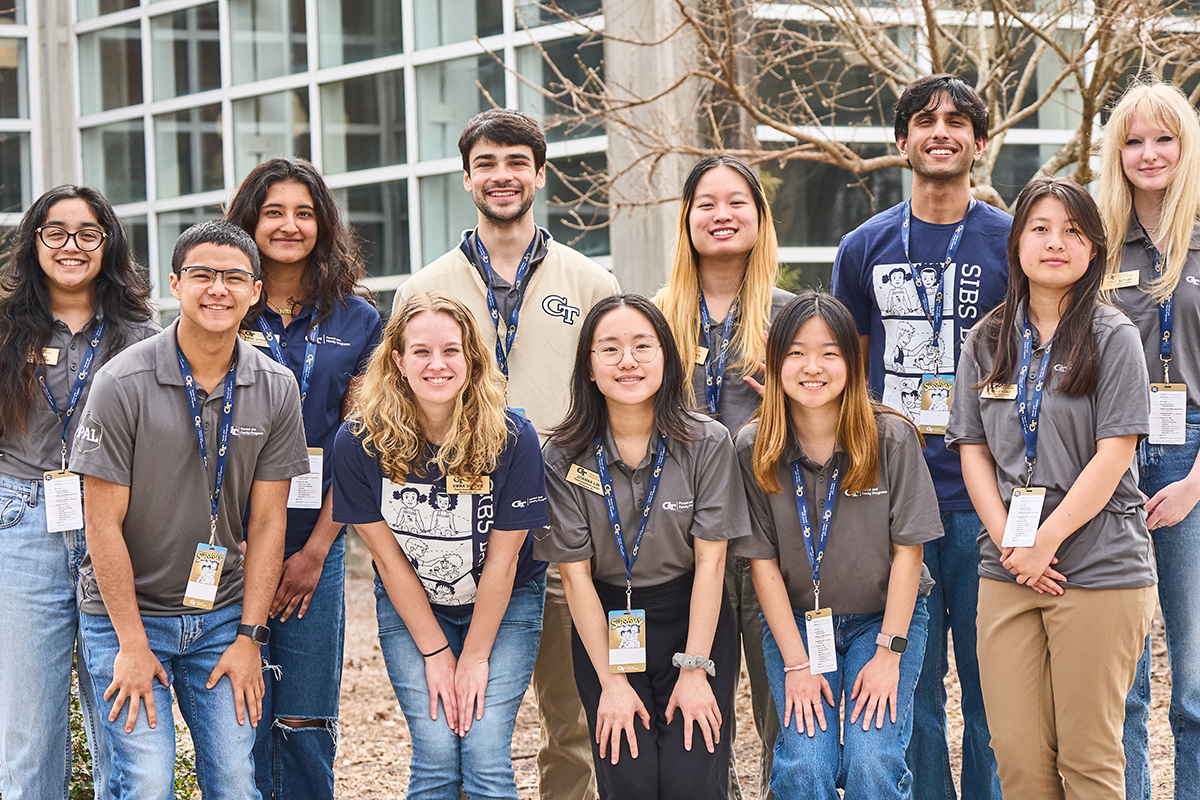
x=311, y=321
x=71, y=297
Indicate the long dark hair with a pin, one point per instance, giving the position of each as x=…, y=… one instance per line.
x=1074, y=342
x=335, y=265
x=588, y=414
x=120, y=291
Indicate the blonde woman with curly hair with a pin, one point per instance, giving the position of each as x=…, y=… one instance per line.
x=443, y=484
x=1150, y=199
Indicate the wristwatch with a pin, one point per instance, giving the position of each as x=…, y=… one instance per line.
x=260, y=634
x=684, y=661
x=897, y=644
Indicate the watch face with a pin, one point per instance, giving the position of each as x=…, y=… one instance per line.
x=899, y=644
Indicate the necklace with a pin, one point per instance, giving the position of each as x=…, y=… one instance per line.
x=289, y=310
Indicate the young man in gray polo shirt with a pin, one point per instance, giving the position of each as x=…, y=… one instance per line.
x=179, y=432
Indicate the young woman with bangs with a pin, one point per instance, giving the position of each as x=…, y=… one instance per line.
x=838, y=481
x=458, y=594
x=1058, y=400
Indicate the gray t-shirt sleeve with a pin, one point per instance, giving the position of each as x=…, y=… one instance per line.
x=913, y=510
x=567, y=539
x=761, y=542
x=966, y=424
x=103, y=443
x=285, y=453
x=1123, y=389
x=719, y=512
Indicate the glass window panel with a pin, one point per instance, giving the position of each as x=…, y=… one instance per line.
x=269, y=39
x=170, y=225
x=539, y=12
x=356, y=30
x=798, y=277
x=16, y=179
x=137, y=231
x=12, y=12
x=447, y=21
x=187, y=151
x=94, y=8
x=447, y=97
x=378, y=215
x=14, y=79
x=186, y=51
x=565, y=55
x=814, y=205
x=446, y=211
x=363, y=122
x=114, y=160
x=1017, y=163
x=563, y=209
x=270, y=125
x=110, y=68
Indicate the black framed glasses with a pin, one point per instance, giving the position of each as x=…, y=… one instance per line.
x=611, y=354
x=204, y=277
x=86, y=239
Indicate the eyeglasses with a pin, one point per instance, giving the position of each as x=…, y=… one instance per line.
x=611, y=354
x=203, y=277
x=86, y=239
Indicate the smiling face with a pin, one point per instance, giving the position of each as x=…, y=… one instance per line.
x=433, y=361
x=723, y=220
x=1149, y=155
x=941, y=143
x=813, y=372
x=628, y=382
x=502, y=181
x=213, y=309
x=286, y=232
x=70, y=269
x=1052, y=252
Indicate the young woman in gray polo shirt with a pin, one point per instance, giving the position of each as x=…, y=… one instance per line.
x=1150, y=200
x=836, y=480
x=71, y=298
x=1053, y=399
x=643, y=497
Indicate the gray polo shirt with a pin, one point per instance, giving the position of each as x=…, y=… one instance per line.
x=137, y=432
x=739, y=401
x=901, y=509
x=1113, y=549
x=505, y=292
x=30, y=453
x=699, y=495
x=1185, y=327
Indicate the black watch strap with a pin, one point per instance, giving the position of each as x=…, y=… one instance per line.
x=261, y=634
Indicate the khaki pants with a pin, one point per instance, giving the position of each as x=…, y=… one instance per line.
x=1055, y=672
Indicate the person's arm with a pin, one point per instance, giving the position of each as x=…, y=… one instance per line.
x=135, y=666
x=619, y=703
x=1173, y=502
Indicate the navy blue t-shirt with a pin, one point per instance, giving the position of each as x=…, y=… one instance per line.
x=345, y=340
x=444, y=536
x=874, y=279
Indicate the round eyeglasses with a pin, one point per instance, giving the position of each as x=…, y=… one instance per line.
x=611, y=354
x=86, y=239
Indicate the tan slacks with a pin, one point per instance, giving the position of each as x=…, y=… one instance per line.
x=1055, y=672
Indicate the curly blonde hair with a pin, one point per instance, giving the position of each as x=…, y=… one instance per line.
x=387, y=414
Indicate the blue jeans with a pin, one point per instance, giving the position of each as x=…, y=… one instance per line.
x=298, y=762
x=481, y=761
x=953, y=562
x=143, y=762
x=38, y=622
x=869, y=765
x=1177, y=552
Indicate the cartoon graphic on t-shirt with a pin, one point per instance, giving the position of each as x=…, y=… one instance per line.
x=929, y=355
x=929, y=277
x=908, y=399
x=899, y=354
x=901, y=293
x=441, y=523
x=408, y=517
x=435, y=532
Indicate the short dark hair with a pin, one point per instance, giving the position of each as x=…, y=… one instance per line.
x=214, y=231
x=926, y=93
x=503, y=126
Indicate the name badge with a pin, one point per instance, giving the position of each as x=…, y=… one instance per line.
x=469, y=484
x=702, y=356
x=581, y=476
x=1121, y=280
x=1024, y=516
x=999, y=391
x=205, y=576
x=49, y=356
x=822, y=651
x=1168, y=413
x=305, y=490
x=627, y=641
x=255, y=338
x=64, y=501
x=937, y=393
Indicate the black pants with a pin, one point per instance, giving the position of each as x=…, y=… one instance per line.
x=663, y=770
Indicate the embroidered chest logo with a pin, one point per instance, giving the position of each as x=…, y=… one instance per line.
x=1193, y=280
x=557, y=306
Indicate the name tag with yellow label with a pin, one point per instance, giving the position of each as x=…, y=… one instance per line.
x=49, y=356
x=702, y=356
x=999, y=391
x=469, y=484
x=627, y=641
x=1122, y=280
x=205, y=576
x=581, y=476
x=254, y=338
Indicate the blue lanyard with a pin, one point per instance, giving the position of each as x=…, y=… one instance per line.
x=1029, y=411
x=1166, y=312
x=715, y=373
x=189, y=384
x=614, y=516
x=310, y=352
x=935, y=314
x=76, y=390
x=505, y=347
x=816, y=550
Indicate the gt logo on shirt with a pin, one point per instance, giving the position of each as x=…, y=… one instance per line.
x=557, y=306
x=1193, y=280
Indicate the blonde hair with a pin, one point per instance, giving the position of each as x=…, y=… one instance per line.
x=386, y=414
x=679, y=299
x=1162, y=105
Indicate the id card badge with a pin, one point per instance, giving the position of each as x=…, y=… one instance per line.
x=205, y=577
x=49, y=357
x=64, y=501
x=585, y=478
x=469, y=484
x=822, y=652
x=701, y=356
x=999, y=391
x=1024, y=516
x=254, y=338
x=627, y=641
x=305, y=490
x=937, y=393
x=1168, y=413
x=1122, y=280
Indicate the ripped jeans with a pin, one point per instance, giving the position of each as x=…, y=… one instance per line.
x=297, y=762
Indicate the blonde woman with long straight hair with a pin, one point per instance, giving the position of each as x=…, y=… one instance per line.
x=719, y=302
x=443, y=484
x=1150, y=198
